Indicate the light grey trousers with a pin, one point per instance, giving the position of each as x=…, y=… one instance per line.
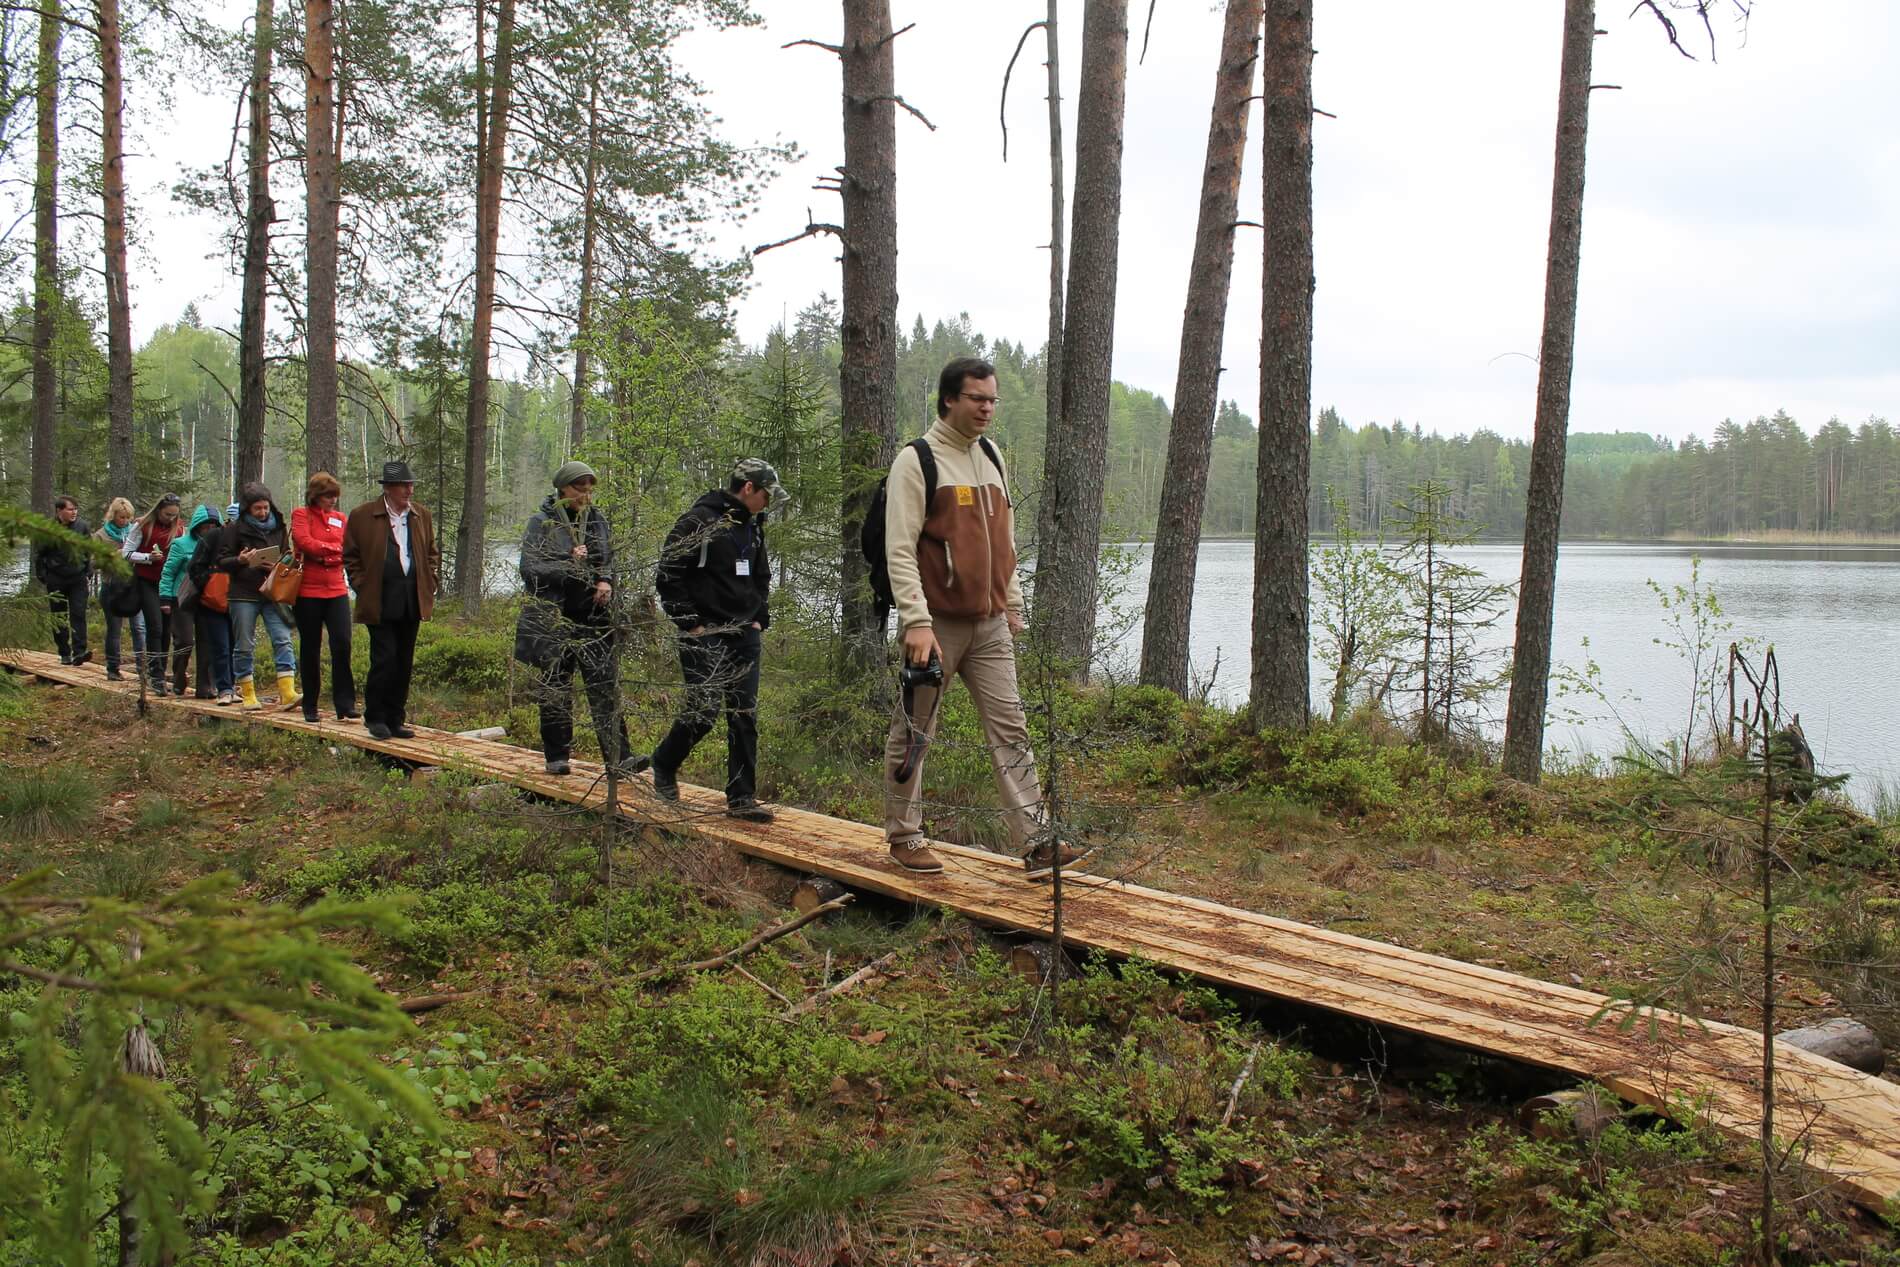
x=983, y=654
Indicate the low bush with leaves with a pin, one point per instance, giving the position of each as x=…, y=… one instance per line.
x=1145, y=1067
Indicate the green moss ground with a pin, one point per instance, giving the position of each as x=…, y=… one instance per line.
x=943, y=1116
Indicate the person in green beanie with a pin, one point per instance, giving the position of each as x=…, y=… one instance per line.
x=566, y=622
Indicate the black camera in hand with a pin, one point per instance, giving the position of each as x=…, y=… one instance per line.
x=912, y=676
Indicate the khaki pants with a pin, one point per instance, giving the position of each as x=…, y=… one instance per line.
x=983, y=654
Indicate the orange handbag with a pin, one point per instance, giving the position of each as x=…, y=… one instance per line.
x=286, y=575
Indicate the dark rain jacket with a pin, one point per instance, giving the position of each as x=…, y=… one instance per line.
x=714, y=570
x=559, y=604
x=245, y=533
x=59, y=567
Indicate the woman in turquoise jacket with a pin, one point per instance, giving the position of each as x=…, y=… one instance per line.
x=190, y=623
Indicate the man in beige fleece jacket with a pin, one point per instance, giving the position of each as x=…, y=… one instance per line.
x=953, y=574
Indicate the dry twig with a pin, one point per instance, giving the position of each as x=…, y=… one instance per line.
x=851, y=982
x=760, y=939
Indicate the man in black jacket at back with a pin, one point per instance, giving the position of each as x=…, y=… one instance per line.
x=567, y=619
x=64, y=572
x=714, y=582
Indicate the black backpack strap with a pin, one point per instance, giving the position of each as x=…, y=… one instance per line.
x=989, y=451
x=928, y=462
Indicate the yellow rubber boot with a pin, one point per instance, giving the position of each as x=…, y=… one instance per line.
x=287, y=693
x=247, y=694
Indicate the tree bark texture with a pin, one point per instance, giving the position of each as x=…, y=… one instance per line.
x=471, y=535
x=46, y=261
x=1544, y=492
x=590, y=228
x=1069, y=523
x=259, y=212
x=121, y=473
x=1052, y=370
x=1164, y=640
x=1279, y=670
x=321, y=452
x=867, y=376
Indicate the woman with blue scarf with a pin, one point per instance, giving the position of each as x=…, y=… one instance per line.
x=120, y=598
x=244, y=550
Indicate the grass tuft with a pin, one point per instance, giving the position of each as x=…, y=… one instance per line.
x=160, y=813
x=43, y=803
x=703, y=1163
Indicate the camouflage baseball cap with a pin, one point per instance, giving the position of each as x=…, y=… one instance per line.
x=760, y=474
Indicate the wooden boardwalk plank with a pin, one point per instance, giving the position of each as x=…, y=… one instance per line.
x=1852, y=1120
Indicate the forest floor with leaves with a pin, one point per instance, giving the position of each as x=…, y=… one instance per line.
x=939, y=1114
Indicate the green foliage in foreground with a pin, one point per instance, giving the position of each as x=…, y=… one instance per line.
x=102, y=997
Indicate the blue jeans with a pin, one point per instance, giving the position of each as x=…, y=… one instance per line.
x=137, y=622
x=244, y=614
x=214, y=645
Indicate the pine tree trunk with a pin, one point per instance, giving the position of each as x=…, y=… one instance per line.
x=1069, y=523
x=1164, y=640
x=46, y=261
x=1279, y=677
x=867, y=377
x=1052, y=354
x=121, y=473
x=471, y=536
x=248, y=453
x=584, y=313
x=1544, y=491
x=321, y=452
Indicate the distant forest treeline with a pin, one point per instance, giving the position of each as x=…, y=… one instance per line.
x=1767, y=475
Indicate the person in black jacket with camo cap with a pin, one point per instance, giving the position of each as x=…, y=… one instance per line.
x=566, y=621
x=66, y=571
x=715, y=583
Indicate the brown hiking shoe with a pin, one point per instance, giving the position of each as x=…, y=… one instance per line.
x=1040, y=862
x=915, y=855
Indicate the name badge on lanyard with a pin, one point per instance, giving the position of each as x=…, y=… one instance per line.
x=743, y=567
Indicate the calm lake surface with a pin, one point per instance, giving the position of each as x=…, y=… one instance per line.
x=1830, y=612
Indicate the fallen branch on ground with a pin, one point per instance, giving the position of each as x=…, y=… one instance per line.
x=851, y=982
x=1233, y=1092
x=770, y=934
x=740, y=969
x=430, y=1002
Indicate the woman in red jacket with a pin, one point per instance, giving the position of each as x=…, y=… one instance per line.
x=323, y=602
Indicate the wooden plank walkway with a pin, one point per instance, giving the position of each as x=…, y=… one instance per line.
x=1851, y=1120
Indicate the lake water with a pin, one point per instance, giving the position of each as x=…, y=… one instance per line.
x=1829, y=611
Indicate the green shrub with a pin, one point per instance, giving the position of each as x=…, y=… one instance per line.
x=1344, y=771
x=632, y=1055
x=51, y=801
x=1148, y=1064
x=470, y=660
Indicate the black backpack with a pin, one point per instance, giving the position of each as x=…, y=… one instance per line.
x=871, y=535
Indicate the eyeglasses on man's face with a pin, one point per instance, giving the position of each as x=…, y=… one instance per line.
x=976, y=398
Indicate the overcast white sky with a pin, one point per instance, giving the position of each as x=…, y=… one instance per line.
x=1741, y=220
